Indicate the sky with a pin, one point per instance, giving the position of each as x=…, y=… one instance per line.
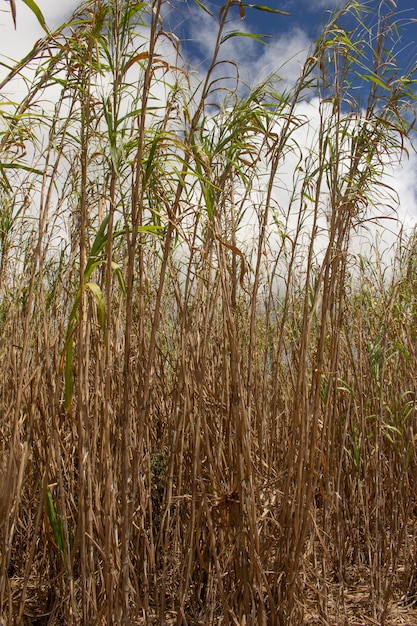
x=288, y=35
x=289, y=39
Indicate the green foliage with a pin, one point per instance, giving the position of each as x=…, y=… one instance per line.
x=56, y=525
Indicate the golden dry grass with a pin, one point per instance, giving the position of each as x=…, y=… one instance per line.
x=198, y=428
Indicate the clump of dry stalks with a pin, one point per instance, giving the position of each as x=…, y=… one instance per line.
x=207, y=396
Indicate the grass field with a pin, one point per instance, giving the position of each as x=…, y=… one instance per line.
x=208, y=393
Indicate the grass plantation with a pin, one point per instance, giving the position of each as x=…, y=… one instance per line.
x=207, y=392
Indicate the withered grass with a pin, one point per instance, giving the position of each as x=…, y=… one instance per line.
x=208, y=395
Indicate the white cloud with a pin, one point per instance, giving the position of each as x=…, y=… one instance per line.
x=15, y=44
x=392, y=207
x=404, y=180
x=282, y=55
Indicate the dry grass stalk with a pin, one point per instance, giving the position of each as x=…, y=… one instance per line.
x=197, y=426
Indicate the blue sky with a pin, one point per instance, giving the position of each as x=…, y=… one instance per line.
x=289, y=37
x=305, y=15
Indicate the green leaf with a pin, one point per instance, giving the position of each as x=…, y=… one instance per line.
x=99, y=21
x=374, y=79
x=343, y=386
x=201, y=5
x=119, y=274
x=100, y=303
x=99, y=243
x=56, y=524
x=20, y=166
x=38, y=13
x=261, y=7
x=95, y=259
x=151, y=229
x=238, y=33
x=149, y=162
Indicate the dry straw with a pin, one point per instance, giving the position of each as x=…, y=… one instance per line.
x=207, y=397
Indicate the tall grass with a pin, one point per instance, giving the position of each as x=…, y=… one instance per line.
x=207, y=394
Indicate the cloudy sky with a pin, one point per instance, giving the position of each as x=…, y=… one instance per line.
x=289, y=37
